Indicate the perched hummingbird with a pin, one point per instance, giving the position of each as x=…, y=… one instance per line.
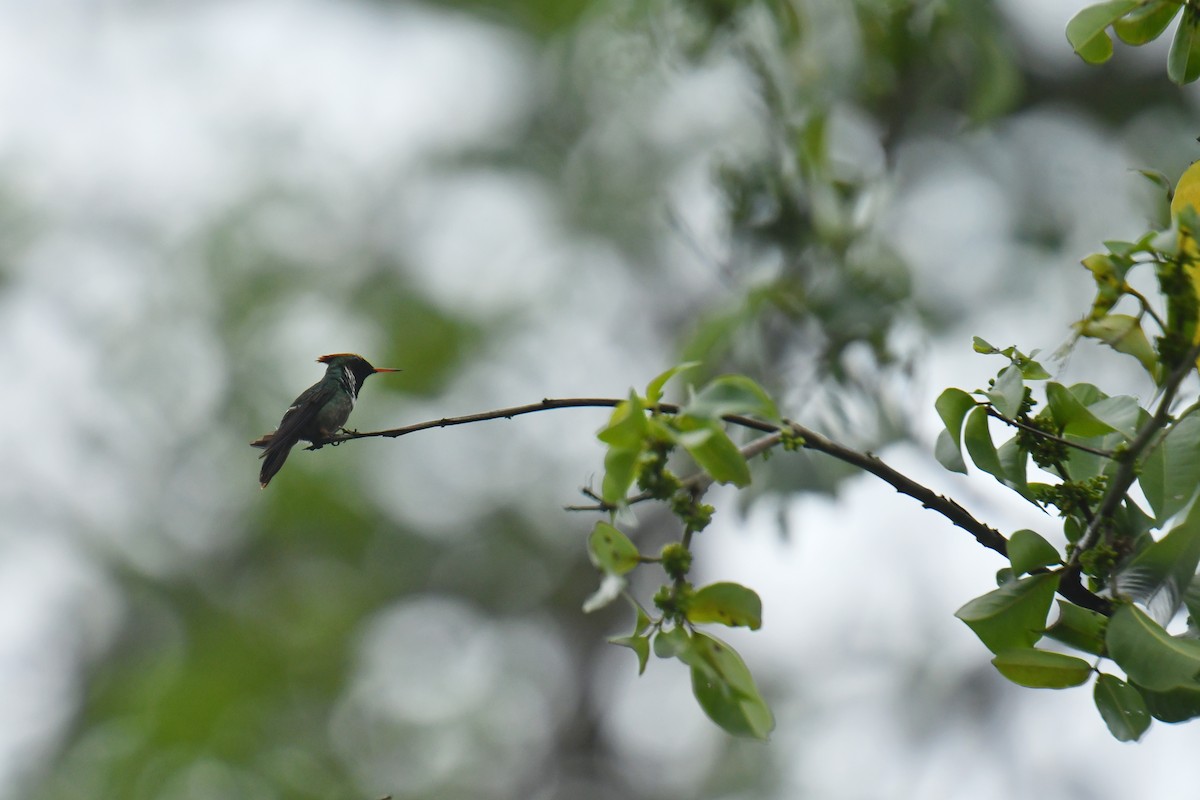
x=318, y=413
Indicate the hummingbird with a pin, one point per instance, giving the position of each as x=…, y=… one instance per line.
x=318, y=413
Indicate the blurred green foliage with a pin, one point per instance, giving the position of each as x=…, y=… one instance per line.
x=239, y=670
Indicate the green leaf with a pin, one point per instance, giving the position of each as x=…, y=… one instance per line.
x=627, y=425
x=642, y=621
x=625, y=436
x=1008, y=392
x=620, y=471
x=1086, y=30
x=949, y=453
x=1071, y=414
x=654, y=389
x=952, y=406
x=1041, y=669
x=1172, y=705
x=1146, y=23
x=1170, y=474
x=981, y=346
x=726, y=603
x=639, y=644
x=1121, y=249
x=713, y=450
x=1014, y=462
x=673, y=643
x=978, y=440
x=732, y=394
x=1124, y=334
x=1150, y=656
x=1032, y=370
x=611, y=550
x=1086, y=393
x=1122, y=414
x=1080, y=628
x=1027, y=550
x=725, y=689
x=1159, y=574
x=1007, y=465
x=1122, y=708
x=1012, y=616
x=1183, y=62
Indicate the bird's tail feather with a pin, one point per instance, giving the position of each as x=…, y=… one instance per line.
x=273, y=457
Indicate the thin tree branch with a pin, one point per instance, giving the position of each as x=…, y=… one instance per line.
x=546, y=404
x=984, y=534
x=1016, y=423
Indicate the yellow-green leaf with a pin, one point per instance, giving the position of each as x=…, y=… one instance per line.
x=1086, y=30
x=726, y=603
x=1124, y=334
x=611, y=550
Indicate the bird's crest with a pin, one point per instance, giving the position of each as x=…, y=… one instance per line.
x=332, y=356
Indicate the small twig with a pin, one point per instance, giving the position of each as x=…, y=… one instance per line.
x=1016, y=423
x=601, y=503
x=1146, y=307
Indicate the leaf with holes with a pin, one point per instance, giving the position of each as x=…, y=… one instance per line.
x=611, y=550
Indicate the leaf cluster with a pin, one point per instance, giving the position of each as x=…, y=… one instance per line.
x=640, y=440
x=1103, y=458
x=1138, y=22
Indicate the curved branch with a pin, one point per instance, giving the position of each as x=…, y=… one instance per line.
x=809, y=439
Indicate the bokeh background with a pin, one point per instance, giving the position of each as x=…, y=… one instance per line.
x=515, y=200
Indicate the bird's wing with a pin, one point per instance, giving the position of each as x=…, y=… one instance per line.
x=304, y=409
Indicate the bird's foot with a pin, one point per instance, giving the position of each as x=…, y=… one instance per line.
x=343, y=435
